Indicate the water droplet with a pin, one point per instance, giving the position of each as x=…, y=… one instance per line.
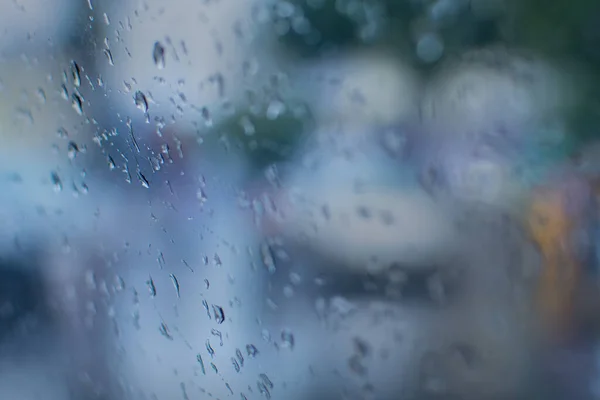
x=90, y=280
x=247, y=126
x=206, y=283
x=127, y=86
x=206, y=116
x=361, y=347
x=430, y=48
x=218, y=334
x=58, y=186
x=267, y=258
x=250, y=68
x=164, y=330
x=109, y=57
x=175, y=284
x=275, y=109
x=251, y=350
x=25, y=115
x=64, y=92
x=266, y=380
x=218, y=313
x=240, y=357
x=141, y=102
x=76, y=74
x=106, y=19
x=288, y=291
x=158, y=55
x=77, y=103
x=394, y=141
x=287, y=339
x=151, y=287
x=342, y=306
x=262, y=388
x=266, y=335
x=236, y=365
x=184, y=391
x=209, y=348
x=72, y=150
x=356, y=366
x=41, y=95
x=205, y=305
x=119, y=284
x=143, y=180
x=62, y=133
x=201, y=196
x=199, y=359
x=111, y=163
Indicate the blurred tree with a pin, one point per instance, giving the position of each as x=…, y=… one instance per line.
x=267, y=137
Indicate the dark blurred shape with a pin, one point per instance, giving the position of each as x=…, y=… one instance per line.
x=265, y=140
x=327, y=27
x=22, y=294
x=336, y=25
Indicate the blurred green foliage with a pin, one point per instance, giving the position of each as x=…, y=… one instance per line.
x=553, y=26
x=264, y=139
x=560, y=29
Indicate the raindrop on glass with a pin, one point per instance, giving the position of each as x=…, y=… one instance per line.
x=62, y=133
x=275, y=109
x=287, y=339
x=209, y=348
x=72, y=150
x=175, y=284
x=64, y=92
x=218, y=334
x=140, y=101
x=251, y=350
x=41, y=96
x=266, y=380
x=77, y=103
x=236, y=365
x=240, y=357
x=151, y=287
x=111, y=163
x=199, y=359
x=164, y=330
x=76, y=74
x=109, y=57
x=145, y=183
x=158, y=55
x=218, y=313
x=58, y=186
